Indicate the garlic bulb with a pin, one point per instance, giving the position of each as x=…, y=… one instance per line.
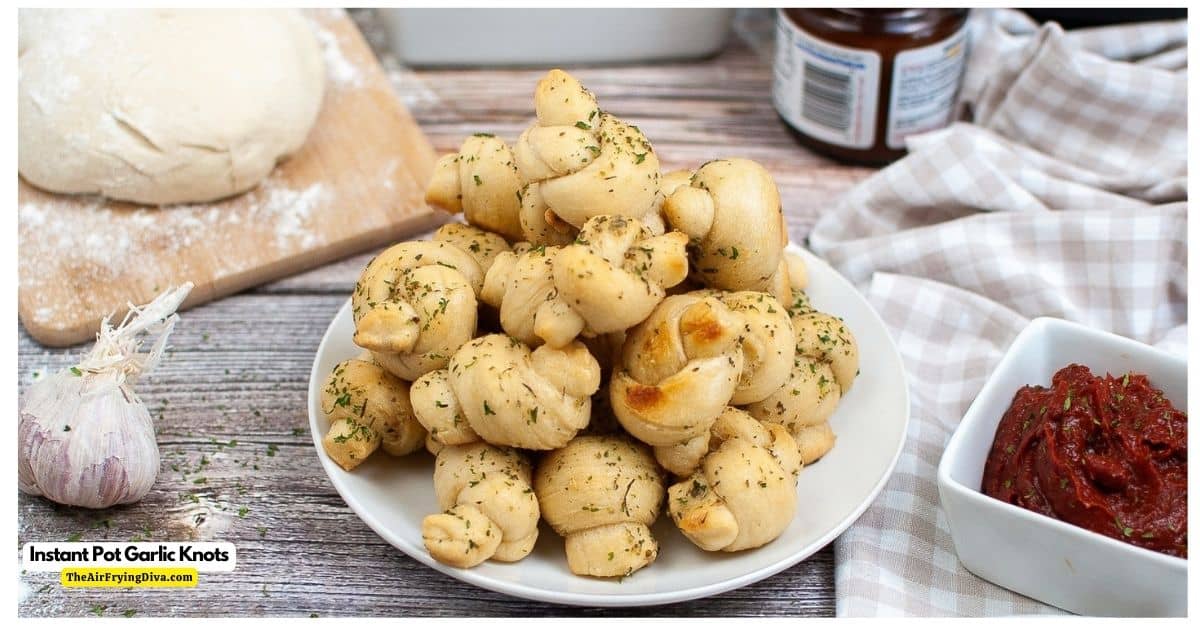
x=85, y=439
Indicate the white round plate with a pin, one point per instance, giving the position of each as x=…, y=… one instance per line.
x=392, y=495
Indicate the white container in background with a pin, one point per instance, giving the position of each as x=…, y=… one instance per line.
x=459, y=37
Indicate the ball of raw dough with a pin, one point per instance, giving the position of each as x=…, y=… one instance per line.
x=163, y=106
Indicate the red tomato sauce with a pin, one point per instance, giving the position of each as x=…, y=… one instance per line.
x=1104, y=453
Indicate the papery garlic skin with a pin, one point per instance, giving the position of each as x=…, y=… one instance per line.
x=108, y=456
x=84, y=437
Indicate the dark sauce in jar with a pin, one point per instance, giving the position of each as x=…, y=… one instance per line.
x=853, y=83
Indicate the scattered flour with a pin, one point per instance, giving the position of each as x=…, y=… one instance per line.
x=339, y=69
x=291, y=210
x=92, y=244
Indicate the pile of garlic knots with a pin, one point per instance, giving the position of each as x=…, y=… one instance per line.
x=598, y=341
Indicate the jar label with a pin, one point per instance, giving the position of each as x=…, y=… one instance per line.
x=925, y=84
x=828, y=92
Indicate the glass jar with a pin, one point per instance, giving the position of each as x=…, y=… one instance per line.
x=853, y=83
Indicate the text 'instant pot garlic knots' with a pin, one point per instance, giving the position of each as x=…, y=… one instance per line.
x=599, y=343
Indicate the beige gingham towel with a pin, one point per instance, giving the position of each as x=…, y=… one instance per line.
x=1066, y=197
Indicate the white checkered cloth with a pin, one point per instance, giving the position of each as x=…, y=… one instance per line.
x=1067, y=197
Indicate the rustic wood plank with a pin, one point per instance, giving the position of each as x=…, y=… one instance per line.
x=227, y=381
x=239, y=370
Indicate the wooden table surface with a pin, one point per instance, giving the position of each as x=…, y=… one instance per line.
x=229, y=401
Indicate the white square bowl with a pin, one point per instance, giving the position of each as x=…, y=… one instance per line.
x=1035, y=555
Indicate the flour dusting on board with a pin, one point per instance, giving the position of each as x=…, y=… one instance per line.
x=338, y=68
x=291, y=210
x=94, y=243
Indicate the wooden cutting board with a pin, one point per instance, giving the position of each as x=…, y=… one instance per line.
x=357, y=183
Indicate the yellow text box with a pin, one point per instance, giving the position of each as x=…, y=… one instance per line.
x=129, y=577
